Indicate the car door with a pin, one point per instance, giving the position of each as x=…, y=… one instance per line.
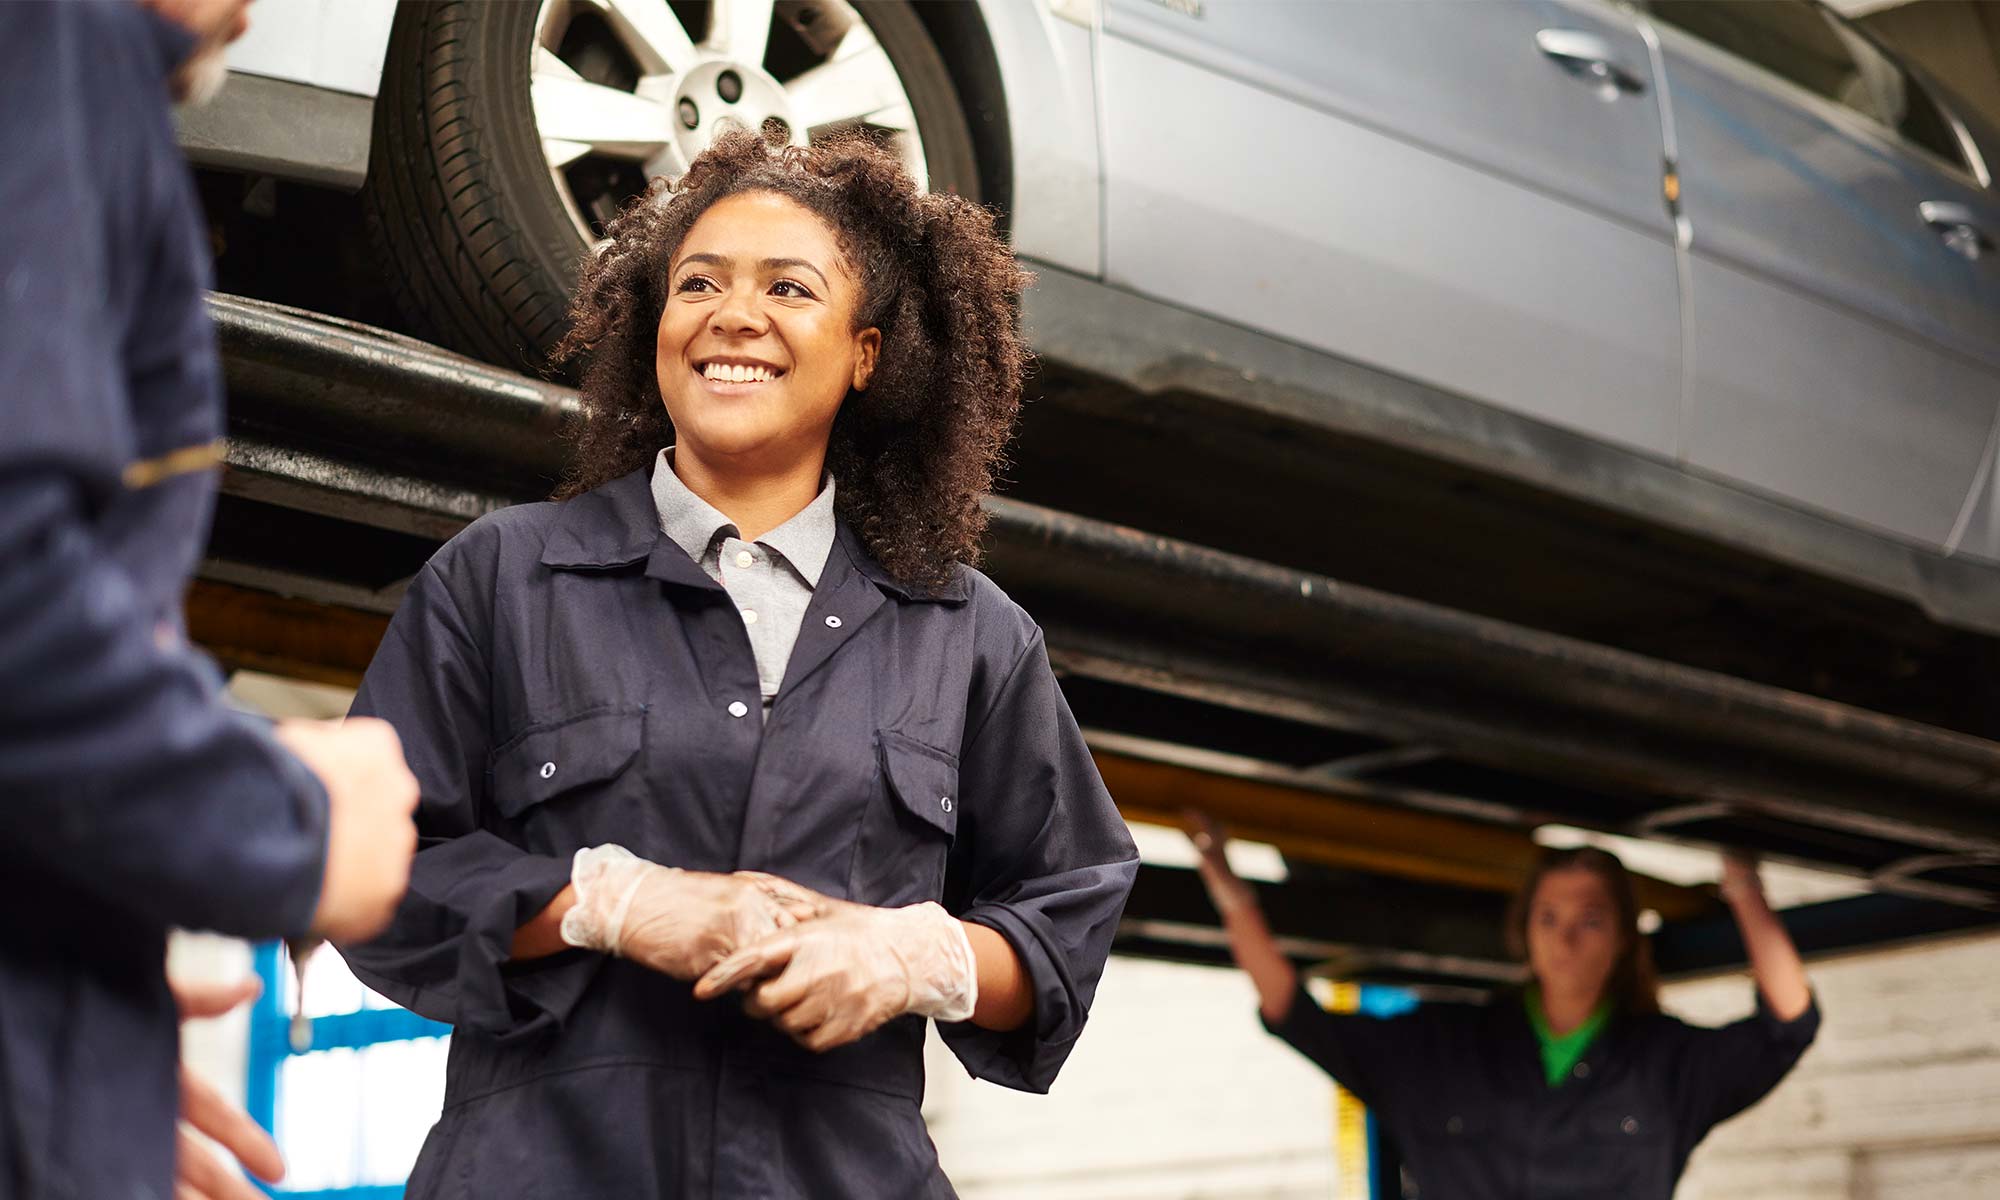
x=1843, y=352
x=1468, y=194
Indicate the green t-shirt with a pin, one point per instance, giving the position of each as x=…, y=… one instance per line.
x=1560, y=1054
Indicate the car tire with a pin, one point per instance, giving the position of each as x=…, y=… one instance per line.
x=480, y=251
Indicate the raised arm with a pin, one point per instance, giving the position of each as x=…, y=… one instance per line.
x=1250, y=940
x=1774, y=960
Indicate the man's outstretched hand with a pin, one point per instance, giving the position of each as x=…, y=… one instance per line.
x=199, y=1172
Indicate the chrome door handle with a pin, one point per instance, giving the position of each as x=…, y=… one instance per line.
x=1957, y=226
x=1590, y=58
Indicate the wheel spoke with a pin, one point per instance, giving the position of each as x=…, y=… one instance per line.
x=653, y=34
x=897, y=118
x=741, y=30
x=903, y=140
x=561, y=153
x=576, y=117
x=852, y=86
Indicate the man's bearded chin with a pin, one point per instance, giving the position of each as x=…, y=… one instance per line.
x=197, y=80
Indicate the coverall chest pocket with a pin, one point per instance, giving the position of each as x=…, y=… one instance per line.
x=908, y=827
x=564, y=785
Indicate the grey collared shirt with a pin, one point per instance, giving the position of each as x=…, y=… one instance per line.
x=771, y=579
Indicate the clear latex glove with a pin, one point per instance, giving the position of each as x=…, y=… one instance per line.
x=839, y=977
x=1228, y=892
x=677, y=922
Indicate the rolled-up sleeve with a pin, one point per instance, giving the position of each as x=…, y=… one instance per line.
x=1042, y=858
x=446, y=954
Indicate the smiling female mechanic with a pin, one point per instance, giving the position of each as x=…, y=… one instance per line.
x=747, y=641
x=1577, y=1088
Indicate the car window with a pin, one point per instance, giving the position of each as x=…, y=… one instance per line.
x=1904, y=105
x=1796, y=40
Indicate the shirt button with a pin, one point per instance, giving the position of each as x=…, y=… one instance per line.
x=1455, y=1125
x=833, y=622
x=1629, y=1125
x=1582, y=1071
x=744, y=558
x=749, y=616
x=737, y=708
x=548, y=769
x=945, y=802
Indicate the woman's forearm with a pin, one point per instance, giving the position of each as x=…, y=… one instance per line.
x=1774, y=960
x=542, y=935
x=1256, y=951
x=1250, y=940
x=1006, y=999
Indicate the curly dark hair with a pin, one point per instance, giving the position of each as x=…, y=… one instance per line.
x=916, y=450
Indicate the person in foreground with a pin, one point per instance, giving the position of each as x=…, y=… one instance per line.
x=132, y=797
x=734, y=770
x=1576, y=1086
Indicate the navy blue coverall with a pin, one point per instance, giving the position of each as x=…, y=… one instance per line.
x=564, y=675
x=130, y=798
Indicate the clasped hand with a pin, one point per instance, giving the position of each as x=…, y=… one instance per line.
x=827, y=972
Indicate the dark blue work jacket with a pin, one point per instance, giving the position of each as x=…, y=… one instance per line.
x=1461, y=1090
x=131, y=799
x=564, y=675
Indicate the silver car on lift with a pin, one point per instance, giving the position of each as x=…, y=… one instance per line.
x=1738, y=246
